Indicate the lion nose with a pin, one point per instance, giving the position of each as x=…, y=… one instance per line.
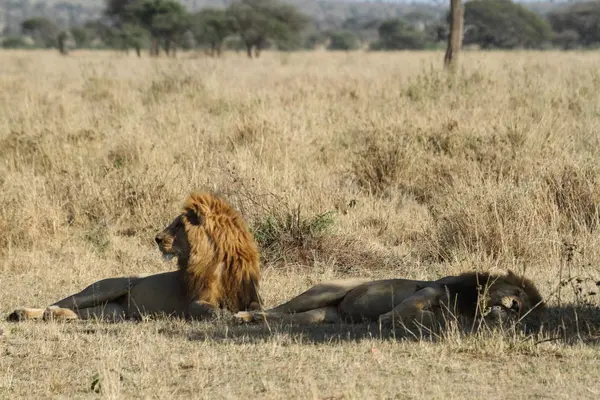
x=516, y=306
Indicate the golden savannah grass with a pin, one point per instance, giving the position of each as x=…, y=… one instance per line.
x=368, y=165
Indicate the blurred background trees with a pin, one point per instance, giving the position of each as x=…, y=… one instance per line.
x=210, y=27
x=503, y=24
x=259, y=21
x=576, y=25
x=397, y=34
x=43, y=31
x=285, y=25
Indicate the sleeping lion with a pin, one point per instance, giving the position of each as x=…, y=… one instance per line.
x=389, y=301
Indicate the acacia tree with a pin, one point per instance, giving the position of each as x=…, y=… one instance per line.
x=65, y=42
x=260, y=20
x=43, y=31
x=165, y=20
x=504, y=24
x=120, y=12
x=131, y=35
x=396, y=34
x=577, y=24
x=343, y=40
x=211, y=27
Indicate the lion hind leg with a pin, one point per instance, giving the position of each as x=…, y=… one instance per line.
x=322, y=315
x=321, y=295
x=414, y=307
x=54, y=313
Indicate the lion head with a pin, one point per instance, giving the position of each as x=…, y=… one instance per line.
x=215, y=251
x=493, y=296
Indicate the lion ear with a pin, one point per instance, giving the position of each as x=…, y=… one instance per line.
x=194, y=217
x=518, y=279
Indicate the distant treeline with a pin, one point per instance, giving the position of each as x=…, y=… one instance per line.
x=254, y=25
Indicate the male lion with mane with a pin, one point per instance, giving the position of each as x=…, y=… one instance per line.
x=218, y=262
x=469, y=295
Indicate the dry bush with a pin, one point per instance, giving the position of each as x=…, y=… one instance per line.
x=380, y=165
x=576, y=193
x=432, y=84
x=172, y=83
x=396, y=160
x=499, y=221
x=26, y=151
x=250, y=130
x=28, y=214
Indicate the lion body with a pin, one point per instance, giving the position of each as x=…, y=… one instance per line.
x=357, y=300
x=218, y=263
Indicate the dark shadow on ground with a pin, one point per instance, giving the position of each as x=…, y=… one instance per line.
x=315, y=334
x=569, y=324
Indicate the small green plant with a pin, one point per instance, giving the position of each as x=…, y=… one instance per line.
x=96, y=385
x=280, y=232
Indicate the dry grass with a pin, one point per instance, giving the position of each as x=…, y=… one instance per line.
x=373, y=165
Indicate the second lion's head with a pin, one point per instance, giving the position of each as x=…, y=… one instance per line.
x=215, y=249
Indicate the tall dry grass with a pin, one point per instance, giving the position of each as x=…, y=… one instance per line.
x=344, y=165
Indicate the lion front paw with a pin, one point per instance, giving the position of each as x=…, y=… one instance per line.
x=55, y=313
x=243, y=317
x=249, y=316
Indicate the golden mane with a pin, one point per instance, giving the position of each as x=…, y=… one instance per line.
x=222, y=266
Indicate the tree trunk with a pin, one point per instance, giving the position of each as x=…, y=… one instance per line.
x=249, y=50
x=154, y=49
x=62, y=45
x=138, y=51
x=456, y=33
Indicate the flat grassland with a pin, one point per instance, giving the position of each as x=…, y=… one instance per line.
x=377, y=165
